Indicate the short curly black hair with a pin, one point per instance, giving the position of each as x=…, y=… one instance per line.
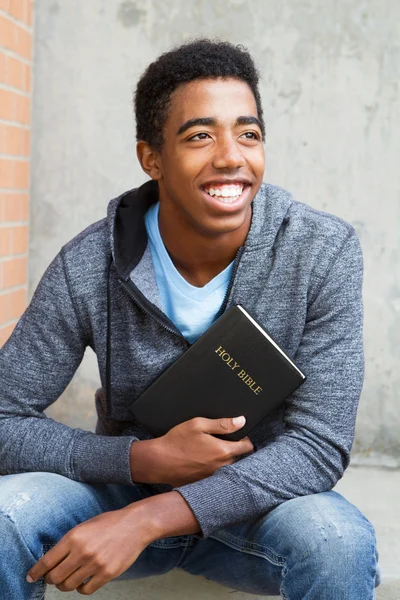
x=198, y=59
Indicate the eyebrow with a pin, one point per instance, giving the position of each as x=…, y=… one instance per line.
x=212, y=122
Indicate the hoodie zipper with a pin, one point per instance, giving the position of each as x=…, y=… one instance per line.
x=141, y=305
x=236, y=262
x=127, y=287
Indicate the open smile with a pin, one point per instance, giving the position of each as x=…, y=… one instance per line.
x=226, y=197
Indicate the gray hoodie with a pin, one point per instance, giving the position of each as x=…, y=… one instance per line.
x=299, y=274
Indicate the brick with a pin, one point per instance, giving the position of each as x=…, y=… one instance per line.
x=5, y=333
x=18, y=303
x=4, y=4
x=6, y=173
x=23, y=43
x=15, y=208
x=29, y=8
x=21, y=175
x=13, y=273
x=4, y=308
x=15, y=73
x=6, y=33
x=14, y=174
x=15, y=38
x=17, y=9
x=22, y=109
x=27, y=78
x=19, y=240
x=13, y=140
x=2, y=67
x=3, y=139
x=27, y=143
x=8, y=105
x=12, y=305
x=21, y=10
x=5, y=241
x=16, y=141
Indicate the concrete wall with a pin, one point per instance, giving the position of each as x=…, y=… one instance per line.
x=330, y=85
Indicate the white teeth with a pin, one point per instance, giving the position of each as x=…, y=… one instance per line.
x=226, y=192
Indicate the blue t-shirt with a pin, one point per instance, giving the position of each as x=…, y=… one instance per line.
x=192, y=309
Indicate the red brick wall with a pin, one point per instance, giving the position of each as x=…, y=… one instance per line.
x=15, y=103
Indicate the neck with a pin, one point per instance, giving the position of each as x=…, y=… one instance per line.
x=197, y=256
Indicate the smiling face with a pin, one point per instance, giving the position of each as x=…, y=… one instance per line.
x=211, y=163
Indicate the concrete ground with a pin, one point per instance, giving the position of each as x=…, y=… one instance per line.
x=376, y=492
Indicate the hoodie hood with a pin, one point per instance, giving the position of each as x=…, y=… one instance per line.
x=127, y=231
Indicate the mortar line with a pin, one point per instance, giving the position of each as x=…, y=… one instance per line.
x=14, y=123
x=10, y=88
x=15, y=21
x=16, y=157
x=16, y=288
x=7, y=52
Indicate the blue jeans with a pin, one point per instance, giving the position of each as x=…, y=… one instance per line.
x=317, y=547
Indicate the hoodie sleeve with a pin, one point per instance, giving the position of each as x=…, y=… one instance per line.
x=314, y=451
x=36, y=365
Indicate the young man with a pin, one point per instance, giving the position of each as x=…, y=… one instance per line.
x=78, y=509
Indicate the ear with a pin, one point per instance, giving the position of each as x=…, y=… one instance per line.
x=149, y=160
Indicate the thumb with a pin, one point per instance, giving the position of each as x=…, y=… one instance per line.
x=219, y=426
x=224, y=426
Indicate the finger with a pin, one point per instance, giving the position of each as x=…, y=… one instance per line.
x=235, y=449
x=243, y=447
x=48, y=561
x=218, y=426
x=75, y=580
x=63, y=570
x=94, y=584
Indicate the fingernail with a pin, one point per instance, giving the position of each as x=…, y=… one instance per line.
x=239, y=421
x=29, y=579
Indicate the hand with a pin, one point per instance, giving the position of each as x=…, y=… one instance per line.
x=101, y=548
x=188, y=452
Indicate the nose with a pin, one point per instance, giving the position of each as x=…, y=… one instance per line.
x=228, y=154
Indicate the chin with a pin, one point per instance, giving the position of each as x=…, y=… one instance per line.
x=215, y=226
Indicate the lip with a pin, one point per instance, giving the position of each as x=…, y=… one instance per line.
x=225, y=207
x=227, y=181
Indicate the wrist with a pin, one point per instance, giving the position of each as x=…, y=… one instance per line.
x=141, y=516
x=145, y=460
x=163, y=515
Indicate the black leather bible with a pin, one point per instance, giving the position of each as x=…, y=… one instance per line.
x=235, y=368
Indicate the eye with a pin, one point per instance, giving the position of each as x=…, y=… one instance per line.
x=251, y=135
x=198, y=136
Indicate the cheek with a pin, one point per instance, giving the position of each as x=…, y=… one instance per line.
x=186, y=167
x=258, y=163
x=178, y=176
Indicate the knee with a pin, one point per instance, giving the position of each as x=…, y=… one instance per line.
x=25, y=508
x=344, y=540
x=327, y=530
x=25, y=498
